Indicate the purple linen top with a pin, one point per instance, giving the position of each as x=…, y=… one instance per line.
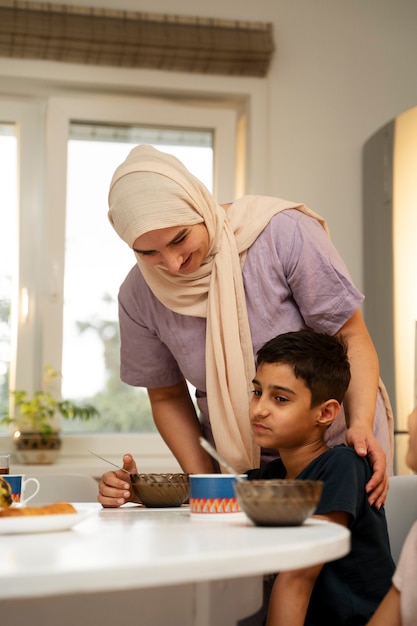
x=293, y=278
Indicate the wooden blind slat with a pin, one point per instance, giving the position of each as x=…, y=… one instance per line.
x=126, y=39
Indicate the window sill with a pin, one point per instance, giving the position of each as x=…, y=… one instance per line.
x=149, y=450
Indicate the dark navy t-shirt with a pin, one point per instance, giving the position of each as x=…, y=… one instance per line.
x=348, y=590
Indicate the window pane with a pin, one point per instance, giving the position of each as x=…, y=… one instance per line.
x=8, y=212
x=96, y=263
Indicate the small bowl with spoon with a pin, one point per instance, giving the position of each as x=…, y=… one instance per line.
x=156, y=490
x=272, y=502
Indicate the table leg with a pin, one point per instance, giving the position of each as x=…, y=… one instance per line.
x=226, y=601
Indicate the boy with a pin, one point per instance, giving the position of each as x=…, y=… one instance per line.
x=300, y=382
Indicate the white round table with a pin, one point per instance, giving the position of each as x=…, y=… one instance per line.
x=146, y=554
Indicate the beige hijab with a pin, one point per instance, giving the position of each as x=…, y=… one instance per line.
x=153, y=190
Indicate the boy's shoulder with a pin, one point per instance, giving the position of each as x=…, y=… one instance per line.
x=341, y=450
x=344, y=475
x=340, y=459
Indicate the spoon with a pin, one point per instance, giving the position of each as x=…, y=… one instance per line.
x=110, y=462
x=213, y=452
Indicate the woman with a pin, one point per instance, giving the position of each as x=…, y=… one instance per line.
x=212, y=284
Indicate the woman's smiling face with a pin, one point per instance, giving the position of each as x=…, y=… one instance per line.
x=180, y=249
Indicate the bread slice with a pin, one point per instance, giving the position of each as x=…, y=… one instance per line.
x=6, y=499
x=57, y=508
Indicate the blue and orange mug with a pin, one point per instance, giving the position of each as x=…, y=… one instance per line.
x=213, y=494
x=18, y=483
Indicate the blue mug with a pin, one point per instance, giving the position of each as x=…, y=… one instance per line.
x=213, y=494
x=18, y=484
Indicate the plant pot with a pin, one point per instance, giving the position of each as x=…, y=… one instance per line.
x=34, y=448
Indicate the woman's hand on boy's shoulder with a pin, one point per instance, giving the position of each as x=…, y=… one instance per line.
x=364, y=444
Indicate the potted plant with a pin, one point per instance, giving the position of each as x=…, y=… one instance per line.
x=36, y=433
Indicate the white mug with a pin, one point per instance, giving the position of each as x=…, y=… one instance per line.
x=18, y=483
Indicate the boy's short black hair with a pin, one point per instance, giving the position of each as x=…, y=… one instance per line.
x=320, y=360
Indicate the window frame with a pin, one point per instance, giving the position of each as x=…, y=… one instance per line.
x=61, y=111
x=237, y=106
x=28, y=118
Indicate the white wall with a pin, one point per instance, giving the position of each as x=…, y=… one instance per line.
x=345, y=69
x=342, y=69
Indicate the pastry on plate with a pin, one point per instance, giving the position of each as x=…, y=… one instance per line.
x=58, y=508
x=6, y=499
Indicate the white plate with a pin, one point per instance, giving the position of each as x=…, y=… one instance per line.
x=41, y=523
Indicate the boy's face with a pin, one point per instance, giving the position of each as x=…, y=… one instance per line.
x=411, y=458
x=280, y=411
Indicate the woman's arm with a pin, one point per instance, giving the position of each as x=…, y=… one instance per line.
x=360, y=402
x=177, y=422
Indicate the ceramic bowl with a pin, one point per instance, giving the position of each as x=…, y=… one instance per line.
x=161, y=490
x=278, y=502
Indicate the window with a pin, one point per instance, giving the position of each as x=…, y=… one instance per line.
x=21, y=154
x=43, y=102
x=49, y=135
x=8, y=247
x=80, y=126
x=90, y=363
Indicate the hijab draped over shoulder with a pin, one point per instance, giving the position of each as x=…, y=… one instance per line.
x=152, y=190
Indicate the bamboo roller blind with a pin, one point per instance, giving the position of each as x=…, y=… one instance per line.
x=93, y=36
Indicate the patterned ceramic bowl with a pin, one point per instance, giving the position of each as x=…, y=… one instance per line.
x=278, y=502
x=161, y=490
